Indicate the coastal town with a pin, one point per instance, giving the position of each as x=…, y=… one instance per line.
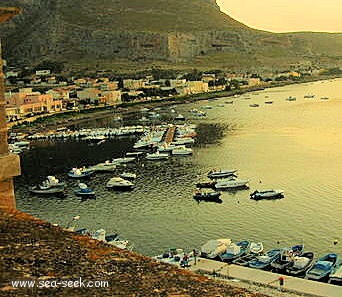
x=215, y=174
x=42, y=92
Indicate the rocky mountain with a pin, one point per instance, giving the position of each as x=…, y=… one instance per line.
x=171, y=33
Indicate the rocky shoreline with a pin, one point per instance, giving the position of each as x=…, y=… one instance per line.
x=31, y=249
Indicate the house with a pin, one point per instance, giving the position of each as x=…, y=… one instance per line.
x=29, y=102
x=133, y=84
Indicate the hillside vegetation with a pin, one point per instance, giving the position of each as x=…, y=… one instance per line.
x=119, y=34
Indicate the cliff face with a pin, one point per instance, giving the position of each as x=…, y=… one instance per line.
x=146, y=30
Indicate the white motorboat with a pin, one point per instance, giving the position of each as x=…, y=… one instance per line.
x=183, y=141
x=215, y=247
x=221, y=173
x=106, y=166
x=50, y=182
x=267, y=194
x=128, y=175
x=231, y=183
x=51, y=185
x=165, y=147
x=181, y=150
x=123, y=160
x=157, y=156
x=256, y=247
x=119, y=183
x=80, y=172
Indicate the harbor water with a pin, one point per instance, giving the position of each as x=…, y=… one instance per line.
x=293, y=145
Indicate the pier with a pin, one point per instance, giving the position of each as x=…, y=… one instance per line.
x=265, y=278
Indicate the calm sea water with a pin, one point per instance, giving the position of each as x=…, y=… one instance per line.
x=295, y=146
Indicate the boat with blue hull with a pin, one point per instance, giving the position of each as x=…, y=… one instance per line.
x=323, y=267
x=235, y=250
x=264, y=261
x=84, y=191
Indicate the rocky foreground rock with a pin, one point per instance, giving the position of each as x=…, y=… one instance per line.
x=31, y=249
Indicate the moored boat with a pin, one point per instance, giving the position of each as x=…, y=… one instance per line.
x=300, y=264
x=323, y=267
x=286, y=258
x=231, y=184
x=336, y=275
x=215, y=247
x=84, y=190
x=47, y=191
x=80, y=172
x=267, y=194
x=128, y=175
x=235, y=250
x=181, y=150
x=206, y=184
x=207, y=196
x=106, y=166
x=264, y=261
x=156, y=156
x=221, y=173
x=119, y=183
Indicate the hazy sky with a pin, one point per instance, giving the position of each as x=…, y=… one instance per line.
x=286, y=15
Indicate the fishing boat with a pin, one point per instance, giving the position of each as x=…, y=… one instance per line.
x=206, y=184
x=207, y=196
x=80, y=172
x=46, y=191
x=336, y=275
x=123, y=160
x=51, y=182
x=286, y=258
x=181, y=150
x=323, y=267
x=264, y=261
x=119, y=183
x=157, y=156
x=214, y=247
x=231, y=184
x=128, y=175
x=254, y=105
x=106, y=166
x=84, y=191
x=255, y=249
x=300, y=264
x=235, y=250
x=267, y=194
x=221, y=173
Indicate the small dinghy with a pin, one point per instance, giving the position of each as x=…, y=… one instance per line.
x=84, y=191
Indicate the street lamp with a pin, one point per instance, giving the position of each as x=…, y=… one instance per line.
x=9, y=163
